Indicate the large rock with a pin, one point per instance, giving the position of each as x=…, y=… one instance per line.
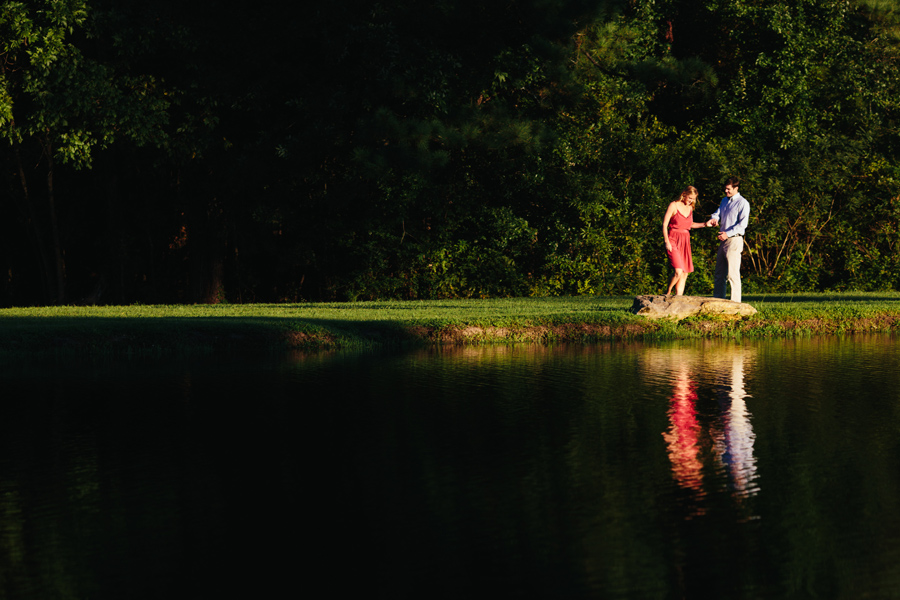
x=679, y=307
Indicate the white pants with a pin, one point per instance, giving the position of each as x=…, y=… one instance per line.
x=728, y=268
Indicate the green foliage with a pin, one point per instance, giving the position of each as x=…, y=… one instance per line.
x=52, y=91
x=410, y=150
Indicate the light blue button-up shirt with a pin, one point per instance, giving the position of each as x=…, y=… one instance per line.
x=733, y=215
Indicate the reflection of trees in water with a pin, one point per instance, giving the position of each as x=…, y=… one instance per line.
x=702, y=442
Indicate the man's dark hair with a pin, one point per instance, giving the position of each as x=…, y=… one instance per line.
x=733, y=182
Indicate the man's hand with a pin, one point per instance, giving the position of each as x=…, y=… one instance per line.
x=712, y=223
x=722, y=236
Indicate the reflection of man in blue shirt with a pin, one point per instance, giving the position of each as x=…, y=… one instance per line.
x=732, y=218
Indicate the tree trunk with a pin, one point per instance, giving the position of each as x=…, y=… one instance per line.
x=56, y=243
x=31, y=217
x=207, y=246
x=207, y=259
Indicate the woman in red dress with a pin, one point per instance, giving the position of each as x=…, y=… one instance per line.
x=676, y=226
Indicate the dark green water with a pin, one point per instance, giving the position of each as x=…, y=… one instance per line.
x=689, y=470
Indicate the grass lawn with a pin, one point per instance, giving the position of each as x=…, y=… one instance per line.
x=374, y=324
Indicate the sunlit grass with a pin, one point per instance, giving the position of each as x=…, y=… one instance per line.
x=502, y=311
x=825, y=305
x=482, y=312
x=315, y=324
x=427, y=321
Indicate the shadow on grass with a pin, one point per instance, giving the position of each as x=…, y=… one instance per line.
x=54, y=334
x=137, y=334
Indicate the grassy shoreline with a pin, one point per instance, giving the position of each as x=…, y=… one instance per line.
x=318, y=326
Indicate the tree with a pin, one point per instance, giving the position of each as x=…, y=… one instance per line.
x=62, y=106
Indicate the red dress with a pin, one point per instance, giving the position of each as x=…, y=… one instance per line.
x=680, y=239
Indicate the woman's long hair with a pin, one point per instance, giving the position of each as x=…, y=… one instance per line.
x=687, y=192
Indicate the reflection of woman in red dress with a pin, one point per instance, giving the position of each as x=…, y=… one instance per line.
x=677, y=224
x=682, y=437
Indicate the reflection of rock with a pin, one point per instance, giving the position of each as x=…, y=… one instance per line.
x=679, y=307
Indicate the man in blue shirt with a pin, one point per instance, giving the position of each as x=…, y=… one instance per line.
x=732, y=218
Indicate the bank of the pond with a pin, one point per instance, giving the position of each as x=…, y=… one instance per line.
x=127, y=329
x=661, y=330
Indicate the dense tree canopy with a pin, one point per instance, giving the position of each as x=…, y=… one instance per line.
x=202, y=152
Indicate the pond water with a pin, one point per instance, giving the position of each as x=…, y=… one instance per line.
x=678, y=470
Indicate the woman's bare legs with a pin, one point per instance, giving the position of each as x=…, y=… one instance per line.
x=679, y=279
x=679, y=288
x=677, y=282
